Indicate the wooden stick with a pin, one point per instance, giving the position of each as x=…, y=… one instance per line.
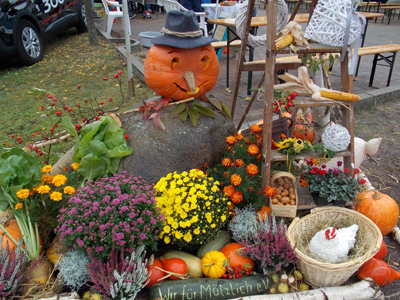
x=366, y=289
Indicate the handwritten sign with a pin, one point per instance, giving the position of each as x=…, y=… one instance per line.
x=203, y=289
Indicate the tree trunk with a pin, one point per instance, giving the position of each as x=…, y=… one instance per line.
x=93, y=41
x=362, y=290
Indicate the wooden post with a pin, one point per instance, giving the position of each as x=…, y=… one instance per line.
x=269, y=91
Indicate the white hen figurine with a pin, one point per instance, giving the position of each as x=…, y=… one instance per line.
x=332, y=245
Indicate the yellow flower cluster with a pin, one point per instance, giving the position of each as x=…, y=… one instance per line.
x=193, y=206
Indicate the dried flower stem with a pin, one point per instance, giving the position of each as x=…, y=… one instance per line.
x=180, y=276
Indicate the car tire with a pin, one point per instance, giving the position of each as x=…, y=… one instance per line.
x=82, y=24
x=29, y=43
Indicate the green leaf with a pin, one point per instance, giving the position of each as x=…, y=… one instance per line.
x=227, y=111
x=115, y=138
x=179, y=108
x=7, y=173
x=91, y=167
x=119, y=151
x=204, y=110
x=98, y=149
x=183, y=115
x=216, y=103
x=4, y=204
x=69, y=127
x=193, y=115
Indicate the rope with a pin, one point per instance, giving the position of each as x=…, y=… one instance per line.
x=182, y=34
x=257, y=41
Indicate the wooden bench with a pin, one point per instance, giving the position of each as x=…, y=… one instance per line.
x=222, y=44
x=378, y=52
x=390, y=10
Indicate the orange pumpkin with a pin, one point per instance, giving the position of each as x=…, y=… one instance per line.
x=234, y=254
x=304, y=133
x=13, y=229
x=380, y=209
x=165, y=69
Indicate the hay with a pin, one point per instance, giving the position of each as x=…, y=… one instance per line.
x=361, y=246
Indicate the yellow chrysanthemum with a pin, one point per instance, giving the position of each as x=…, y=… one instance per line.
x=75, y=166
x=223, y=218
x=43, y=189
x=49, y=179
x=55, y=196
x=197, y=231
x=167, y=240
x=59, y=180
x=167, y=229
x=69, y=190
x=178, y=235
x=22, y=194
x=18, y=206
x=187, y=237
x=47, y=169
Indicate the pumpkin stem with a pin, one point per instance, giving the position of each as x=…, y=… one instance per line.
x=376, y=195
x=189, y=77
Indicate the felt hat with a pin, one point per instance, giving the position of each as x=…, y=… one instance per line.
x=182, y=30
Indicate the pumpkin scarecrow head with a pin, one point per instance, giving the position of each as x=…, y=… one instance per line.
x=181, y=63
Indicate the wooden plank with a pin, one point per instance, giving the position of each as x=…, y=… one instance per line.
x=270, y=54
x=314, y=48
x=255, y=21
x=370, y=15
x=221, y=44
x=288, y=65
x=378, y=49
x=277, y=156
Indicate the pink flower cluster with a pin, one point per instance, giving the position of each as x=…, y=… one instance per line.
x=117, y=211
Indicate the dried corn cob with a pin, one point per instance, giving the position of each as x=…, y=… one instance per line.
x=339, y=96
x=284, y=42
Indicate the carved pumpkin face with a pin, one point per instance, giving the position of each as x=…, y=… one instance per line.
x=181, y=73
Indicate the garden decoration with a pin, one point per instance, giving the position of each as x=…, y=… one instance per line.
x=336, y=138
x=290, y=36
x=336, y=23
x=181, y=63
x=304, y=86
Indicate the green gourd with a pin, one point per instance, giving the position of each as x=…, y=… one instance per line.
x=222, y=239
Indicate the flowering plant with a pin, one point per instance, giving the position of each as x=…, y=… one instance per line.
x=114, y=211
x=264, y=239
x=332, y=184
x=240, y=170
x=194, y=208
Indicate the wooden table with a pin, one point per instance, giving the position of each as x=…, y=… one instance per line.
x=255, y=22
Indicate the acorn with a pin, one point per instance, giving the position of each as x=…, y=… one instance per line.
x=275, y=278
x=303, y=287
x=298, y=275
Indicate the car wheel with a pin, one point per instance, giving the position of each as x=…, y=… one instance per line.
x=82, y=25
x=29, y=43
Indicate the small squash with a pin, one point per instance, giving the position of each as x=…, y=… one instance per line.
x=193, y=262
x=234, y=255
x=213, y=264
x=156, y=274
x=379, y=271
x=380, y=209
x=175, y=265
x=382, y=251
x=216, y=244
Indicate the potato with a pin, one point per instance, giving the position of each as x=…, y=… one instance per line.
x=292, y=196
x=286, y=186
x=280, y=181
x=279, y=197
x=274, y=201
x=279, y=204
x=285, y=193
x=285, y=200
x=291, y=189
x=287, y=204
x=280, y=188
x=292, y=202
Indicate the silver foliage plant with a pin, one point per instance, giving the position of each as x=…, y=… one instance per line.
x=133, y=279
x=73, y=269
x=245, y=224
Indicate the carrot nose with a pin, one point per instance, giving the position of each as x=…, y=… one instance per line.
x=189, y=77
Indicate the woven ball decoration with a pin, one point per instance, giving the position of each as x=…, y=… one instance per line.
x=336, y=138
x=328, y=23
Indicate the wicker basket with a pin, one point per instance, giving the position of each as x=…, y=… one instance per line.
x=285, y=211
x=319, y=274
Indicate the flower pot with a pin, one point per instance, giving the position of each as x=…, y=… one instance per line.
x=339, y=202
x=319, y=201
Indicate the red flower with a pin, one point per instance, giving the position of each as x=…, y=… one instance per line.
x=228, y=190
x=315, y=169
x=303, y=182
x=362, y=181
x=356, y=171
x=346, y=170
x=321, y=172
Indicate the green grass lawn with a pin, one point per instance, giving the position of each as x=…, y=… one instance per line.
x=68, y=61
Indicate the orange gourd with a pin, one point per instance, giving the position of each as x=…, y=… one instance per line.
x=234, y=253
x=304, y=133
x=13, y=229
x=175, y=265
x=379, y=208
x=156, y=274
x=382, y=251
x=165, y=69
x=379, y=271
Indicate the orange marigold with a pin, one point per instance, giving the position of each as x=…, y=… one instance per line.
x=236, y=179
x=269, y=191
x=274, y=146
x=226, y=174
x=303, y=182
x=259, y=193
x=259, y=157
x=314, y=161
x=283, y=136
x=239, y=136
x=250, y=189
x=239, y=163
x=253, y=149
x=264, y=212
x=236, y=197
x=255, y=129
x=228, y=190
x=252, y=170
x=226, y=162
x=230, y=140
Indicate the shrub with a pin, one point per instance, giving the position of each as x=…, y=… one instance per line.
x=194, y=208
x=73, y=269
x=114, y=211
